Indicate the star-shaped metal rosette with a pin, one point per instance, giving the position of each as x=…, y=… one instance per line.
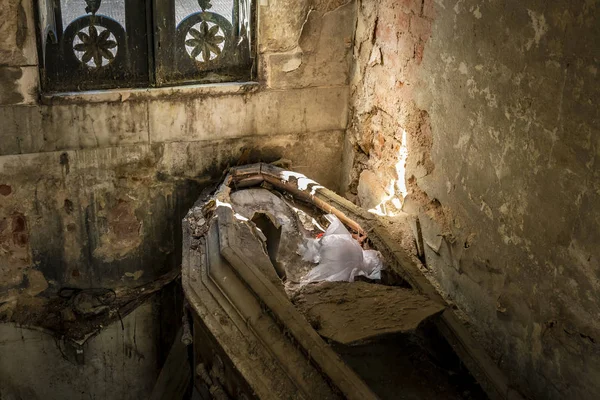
x=96, y=46
x=205, y=41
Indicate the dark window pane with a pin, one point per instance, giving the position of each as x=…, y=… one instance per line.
x=94, y=44
x=101, y=44
x=203, y=41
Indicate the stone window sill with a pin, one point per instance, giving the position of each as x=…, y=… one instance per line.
x=141, y=94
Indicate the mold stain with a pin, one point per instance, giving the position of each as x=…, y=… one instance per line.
x=9, y=82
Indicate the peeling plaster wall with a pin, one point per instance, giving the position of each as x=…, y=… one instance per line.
x=91, y=183
x=498, y=104
x=110, y=217
x=93, y=186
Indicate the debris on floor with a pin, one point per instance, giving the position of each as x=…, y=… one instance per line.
x=276, y=278
x=77, y=314
x=355, y=313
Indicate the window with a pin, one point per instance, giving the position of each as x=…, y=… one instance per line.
x=95, y=44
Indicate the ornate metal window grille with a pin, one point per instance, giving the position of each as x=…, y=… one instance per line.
x=95, y=44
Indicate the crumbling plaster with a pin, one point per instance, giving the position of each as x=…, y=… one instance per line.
x=93, y=186
x=72, y=163
x=499, y=105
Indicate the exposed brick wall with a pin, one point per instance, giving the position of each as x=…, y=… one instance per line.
x=390, y=42
x=498, y=102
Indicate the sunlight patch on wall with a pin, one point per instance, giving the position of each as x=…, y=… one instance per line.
x=392, y=203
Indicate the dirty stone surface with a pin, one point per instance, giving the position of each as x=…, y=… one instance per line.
x=314, y=59
x=485, y=115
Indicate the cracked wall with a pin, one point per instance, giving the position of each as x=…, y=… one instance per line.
x=498, y=104
x=93, y=186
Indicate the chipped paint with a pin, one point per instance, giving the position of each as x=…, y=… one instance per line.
x=292, y=64
x=540, y=28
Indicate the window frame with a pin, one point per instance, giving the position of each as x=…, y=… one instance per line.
x=157, y=65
